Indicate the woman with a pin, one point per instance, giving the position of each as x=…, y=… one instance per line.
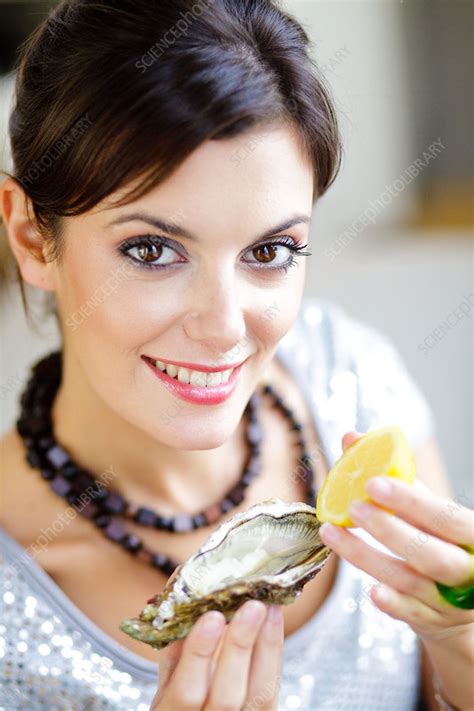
x=167, y=156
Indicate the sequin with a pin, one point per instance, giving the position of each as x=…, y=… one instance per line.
x=349, y=657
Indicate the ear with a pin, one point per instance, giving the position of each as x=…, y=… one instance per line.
x=26, y=242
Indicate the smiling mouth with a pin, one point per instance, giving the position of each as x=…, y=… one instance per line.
x=190, y=376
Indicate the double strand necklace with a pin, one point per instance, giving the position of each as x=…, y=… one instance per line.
x=102, y=505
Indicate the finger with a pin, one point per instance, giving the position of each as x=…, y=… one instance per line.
x=230, y=679
x=349, y=438
x=195, y=663
x=420, y=506
x=265, y=667
x=167, y=660
x=380, y=565
x=432, y=557
x=425, y=621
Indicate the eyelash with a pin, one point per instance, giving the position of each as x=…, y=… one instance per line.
x=148, y=240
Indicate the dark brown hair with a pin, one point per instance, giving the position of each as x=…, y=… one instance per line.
x=109, y=92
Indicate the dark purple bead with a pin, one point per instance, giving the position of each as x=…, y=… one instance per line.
x=307, y=474
x=34, y=458
x=254, y=466
x=254, y=433
x=60, y=485
x=57, y=456
x=99, y=492
x=83, y=483
x=146, y=517
x=37, y=411
x=36, y=425
x=182, y=523
x=102, y=520
x=226, y=505
x=311, y=496
x=131, y=543
x=199, y=520
x=247, y=478
x=88, y=510
x=114, y=503
x=42, y=391
x=254, y=402
x=296, y=426
x=70, y=470
x=267, y=389
x=48, y=473
x=170, y=566
x=115, y=531
x=45, y=443
x=237, y=495
x=164, y=522
x=159, y=560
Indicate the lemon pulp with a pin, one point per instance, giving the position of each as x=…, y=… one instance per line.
x=382, y=452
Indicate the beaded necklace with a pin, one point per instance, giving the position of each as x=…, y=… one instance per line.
x=103, y=506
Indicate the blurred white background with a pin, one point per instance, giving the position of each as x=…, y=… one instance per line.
x=399, y=72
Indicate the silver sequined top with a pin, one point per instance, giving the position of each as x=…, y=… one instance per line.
x=350, y=655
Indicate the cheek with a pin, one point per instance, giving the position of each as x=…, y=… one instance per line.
x=283, y=311
x=113, y=307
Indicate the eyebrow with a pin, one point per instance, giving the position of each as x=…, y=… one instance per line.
x=173, y=229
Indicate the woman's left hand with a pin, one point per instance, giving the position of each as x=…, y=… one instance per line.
x=426, y=532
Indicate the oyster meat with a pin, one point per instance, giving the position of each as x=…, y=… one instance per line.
x=267, y=552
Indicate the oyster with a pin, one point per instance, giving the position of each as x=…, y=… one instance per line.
x=267, y=552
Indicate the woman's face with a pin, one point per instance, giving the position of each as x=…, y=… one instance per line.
x=208, y=297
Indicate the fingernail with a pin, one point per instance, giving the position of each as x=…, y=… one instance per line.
x=210, y=625
x=382, y=593
x=360, y=511
x=379, y=485
x=250, y=612
x=330, y=533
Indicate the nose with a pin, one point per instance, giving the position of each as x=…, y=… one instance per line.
x=216, y=318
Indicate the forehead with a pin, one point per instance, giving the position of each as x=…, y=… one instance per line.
x=259, y=174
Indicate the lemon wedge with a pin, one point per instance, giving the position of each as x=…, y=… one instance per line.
x=381, y=452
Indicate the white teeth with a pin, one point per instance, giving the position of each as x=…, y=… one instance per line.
x=199, y=379
x=183, y=375
x=172, y=370
x=214, y=379
x=195, y=377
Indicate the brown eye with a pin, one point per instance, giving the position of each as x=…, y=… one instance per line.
x=267, y=251
x=149, y=252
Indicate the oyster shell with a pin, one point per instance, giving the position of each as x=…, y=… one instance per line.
x=267, y=552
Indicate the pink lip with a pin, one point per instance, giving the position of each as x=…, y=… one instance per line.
x=193, y=393
x=196, y=366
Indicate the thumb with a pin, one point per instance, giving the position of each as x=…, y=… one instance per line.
x=349, y=438
x=168, y=658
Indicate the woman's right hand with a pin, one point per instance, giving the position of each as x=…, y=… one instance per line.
x=224, y=667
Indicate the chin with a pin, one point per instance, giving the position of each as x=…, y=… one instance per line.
x=192, y=438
